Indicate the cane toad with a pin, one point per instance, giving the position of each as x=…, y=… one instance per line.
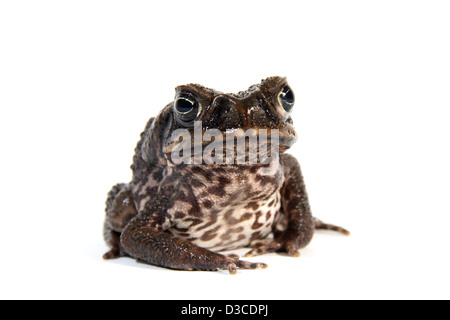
x=180, y=215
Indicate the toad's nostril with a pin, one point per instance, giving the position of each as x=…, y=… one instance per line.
x=228, y=114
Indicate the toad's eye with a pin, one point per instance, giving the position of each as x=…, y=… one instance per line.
x=286, y=98
x=186, y=107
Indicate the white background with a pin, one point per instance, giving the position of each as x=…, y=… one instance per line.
x=79, y=80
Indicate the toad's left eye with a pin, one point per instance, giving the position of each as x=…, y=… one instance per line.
x=286, y=98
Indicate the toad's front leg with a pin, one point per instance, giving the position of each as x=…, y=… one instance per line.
x=295, y=207
x=148, y=243
x=300, y=224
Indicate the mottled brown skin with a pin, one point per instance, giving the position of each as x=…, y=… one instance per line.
x=179, y=216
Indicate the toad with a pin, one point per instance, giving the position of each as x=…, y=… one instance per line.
x=181, y=209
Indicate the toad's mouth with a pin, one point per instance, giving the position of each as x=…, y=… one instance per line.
x=254, y=145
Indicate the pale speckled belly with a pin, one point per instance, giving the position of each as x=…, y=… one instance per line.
x=232, y=227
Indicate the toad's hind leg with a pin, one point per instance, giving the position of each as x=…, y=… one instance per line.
x=325, y=226
x=120, y=209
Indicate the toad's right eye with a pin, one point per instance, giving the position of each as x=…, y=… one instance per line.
x=186, y=107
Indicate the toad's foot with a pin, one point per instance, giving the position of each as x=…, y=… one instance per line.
x=266, y=246
x=325, y=226
x=112, y=254
x=233, y=266
x=287, y=242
